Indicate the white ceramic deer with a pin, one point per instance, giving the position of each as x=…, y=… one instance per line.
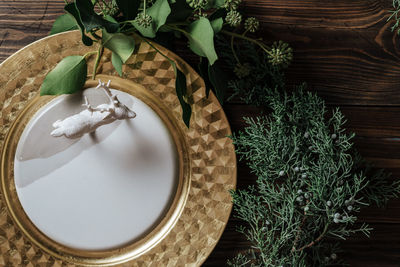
x=91, y=118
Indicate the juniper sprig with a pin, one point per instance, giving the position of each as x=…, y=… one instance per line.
x=394, y=15
x=311, y=183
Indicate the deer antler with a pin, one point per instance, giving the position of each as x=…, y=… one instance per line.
x=88, y=106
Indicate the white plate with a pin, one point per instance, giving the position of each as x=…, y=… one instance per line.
x=103, y=190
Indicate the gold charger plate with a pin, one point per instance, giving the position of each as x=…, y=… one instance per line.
x=202, y=205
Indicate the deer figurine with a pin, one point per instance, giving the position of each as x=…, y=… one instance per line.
x=91, y=118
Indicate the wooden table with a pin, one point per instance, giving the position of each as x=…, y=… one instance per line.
x=344, y=50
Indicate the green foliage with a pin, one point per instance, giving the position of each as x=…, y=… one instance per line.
x=66, y=78
x=201, y=39
x=117, y=63
x=159, y=13
x=233, y=18
x=217, y=24
x=64, y=23
x=218, y=80
x=129, y=8
x=120, y=44
x=395, y=16
x=280, y=54
x=310, y=186
x=257, y=73
x=182, y=95
x=72, y=10
x=180, y=87
x=91, y=20
x=197, y=20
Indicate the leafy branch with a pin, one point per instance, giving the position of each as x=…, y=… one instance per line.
x=199, y=21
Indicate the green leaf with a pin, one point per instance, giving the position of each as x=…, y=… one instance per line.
x=212, y=4
x=110, y=19
x=217, y=24
x=218, y=3
x=117, y=63
x=67, y=77
x=181, y=92
x=180, y=87
x=201, y=39
x=91, y=20
x=71, y=9
x=129, y=8
x=64, y=23
x=203, y=71
x=119, y=43
x=219, y=81
x=159, y=11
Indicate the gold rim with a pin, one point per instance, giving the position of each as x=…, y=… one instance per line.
x=101, y=257
x=202, y=205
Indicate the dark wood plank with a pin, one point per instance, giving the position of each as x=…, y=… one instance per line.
x=343, y=49
x=23, y=22
x=372, y=121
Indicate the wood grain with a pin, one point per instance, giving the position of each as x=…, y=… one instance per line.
x=344, y=50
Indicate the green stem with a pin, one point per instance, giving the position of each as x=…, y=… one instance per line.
x=316, y=240
x=257, y=42
x=129, y=30
x=98, y=57
x=299, y=230
x=178, y=24
x=126, y=22
x=95, y=36
x=244, y=33
x=233, y=50
x=173, y=27
x=144, y=7
x=89, y=53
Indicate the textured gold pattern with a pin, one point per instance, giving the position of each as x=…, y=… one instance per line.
x=211, y=153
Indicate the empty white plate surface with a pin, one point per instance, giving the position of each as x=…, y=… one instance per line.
x=101, y=191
